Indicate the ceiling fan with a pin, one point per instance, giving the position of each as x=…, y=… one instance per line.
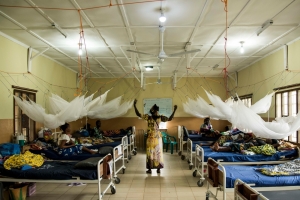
x=162, y=55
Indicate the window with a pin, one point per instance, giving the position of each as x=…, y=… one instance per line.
x=287, y=103
x=246, y=99
x=22, y=123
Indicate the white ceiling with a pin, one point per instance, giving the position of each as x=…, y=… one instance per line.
x=109, y=31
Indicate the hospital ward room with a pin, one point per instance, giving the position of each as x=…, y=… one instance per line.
x=150, y=100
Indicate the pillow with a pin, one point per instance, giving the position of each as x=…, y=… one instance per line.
x=90, y=163
x=185, y=131
x=106, y=150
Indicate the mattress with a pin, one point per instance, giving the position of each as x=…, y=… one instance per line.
x=51, y=170
x=249, y=175
x=203, y=144
x=238, y=157
x=110, y=144
x=53, y=155
x=199, y=138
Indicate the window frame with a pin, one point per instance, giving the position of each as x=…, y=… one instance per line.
x=29, y=92
x=288, y=90
x=246, y=98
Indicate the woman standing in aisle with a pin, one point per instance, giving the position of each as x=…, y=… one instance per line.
x=154, y=147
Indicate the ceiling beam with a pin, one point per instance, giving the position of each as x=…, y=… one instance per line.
x=39, y=37
x=126, y=22
x=267, y=45
x=276, y=39
x=82, y=13
x=220, y=35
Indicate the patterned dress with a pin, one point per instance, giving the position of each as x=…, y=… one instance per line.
x=154, y=144
x=70, y=151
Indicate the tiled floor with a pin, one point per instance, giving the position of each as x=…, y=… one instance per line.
x=174, y=183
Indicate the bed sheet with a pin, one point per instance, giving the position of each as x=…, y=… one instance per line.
x=199, y=138
x=249, y=175
x=237, y=157
x=53, y=170
x=203, y=144
x=110, y=144
x=51, y=154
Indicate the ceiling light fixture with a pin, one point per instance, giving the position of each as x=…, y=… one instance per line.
x=80, y=49
x=264, y=26
x=149, y=68
x=54, y=25
x=242, y=46
x=162, y=17
x=215, y=66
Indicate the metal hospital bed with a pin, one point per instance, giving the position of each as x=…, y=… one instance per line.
x=233, y=158
x=118, y=156
x=62, y=174
x=223, y=178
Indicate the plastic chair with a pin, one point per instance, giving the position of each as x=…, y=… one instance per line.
x=168, y=139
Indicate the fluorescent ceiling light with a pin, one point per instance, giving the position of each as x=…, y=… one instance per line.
x=54, y=25
x=149, y=68
x=215, y=66
x=162, y=18
x=264, y=26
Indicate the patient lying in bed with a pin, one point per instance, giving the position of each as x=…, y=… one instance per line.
x=250, y=144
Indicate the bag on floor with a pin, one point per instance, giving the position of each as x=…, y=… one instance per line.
x=18, y=192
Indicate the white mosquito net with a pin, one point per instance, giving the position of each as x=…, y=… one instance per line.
x=243, y=117
x=62, y=111
x=34, y=111
x=201, y=109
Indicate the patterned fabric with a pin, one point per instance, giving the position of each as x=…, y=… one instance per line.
x=239, y=147
x=223, y=139
x=266, y=149
x=287, y=169
x=19, y=160
x=98, y=133
x=154, y=145
x=74, y=150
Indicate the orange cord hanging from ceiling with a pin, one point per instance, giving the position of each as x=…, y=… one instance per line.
x=82, y=44
x=225, y=47
x=83, y=9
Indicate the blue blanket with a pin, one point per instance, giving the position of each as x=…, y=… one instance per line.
x=238, y=157
x=249, y=175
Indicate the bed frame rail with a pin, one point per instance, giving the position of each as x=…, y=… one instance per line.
x=243, y=191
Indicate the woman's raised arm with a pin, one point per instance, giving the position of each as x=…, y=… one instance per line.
x=136, y=110
x=172, y=115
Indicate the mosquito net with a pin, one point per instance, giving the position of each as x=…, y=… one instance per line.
x=243, y=117
x=62, y=111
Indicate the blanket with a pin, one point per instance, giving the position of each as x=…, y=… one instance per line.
x=20, y=160
x=291, y=168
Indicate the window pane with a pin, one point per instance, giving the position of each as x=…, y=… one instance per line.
x=284, y=104
x=292, y=103
x=278, y=105
x=294, y=137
